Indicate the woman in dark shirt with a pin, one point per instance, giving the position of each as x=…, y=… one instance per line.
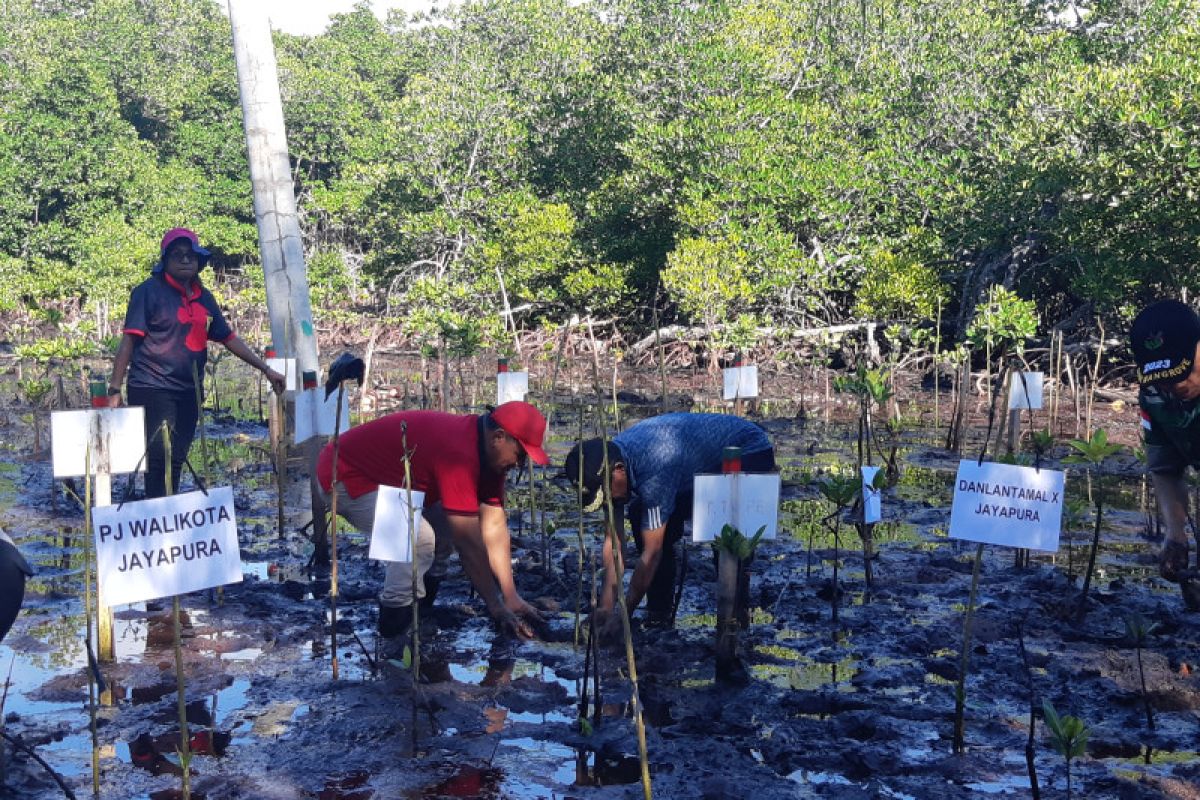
x=170, y=320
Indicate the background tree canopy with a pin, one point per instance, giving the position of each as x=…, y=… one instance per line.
x=793, y=163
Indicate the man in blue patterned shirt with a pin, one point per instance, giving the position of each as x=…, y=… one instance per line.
x=1165, y=338
x=651, y=467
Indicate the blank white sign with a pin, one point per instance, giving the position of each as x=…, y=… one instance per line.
x=316, y=414
x=747, y=502
x=740, y=382
x=391, y=537
x=166, y=546
x=117, y=437
x=872, y=502
x=287, y=368
x=511, y=386
x=1025, y=394
x=1007, y=505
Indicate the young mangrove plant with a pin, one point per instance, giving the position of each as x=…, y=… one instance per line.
x=964, y=659
x=35, y=391
x=1138, y=630
x=869, y=387
x=734, y=551
x=1093, y=453
x=1074, y=516
x=842, y=491
x=1068, y=737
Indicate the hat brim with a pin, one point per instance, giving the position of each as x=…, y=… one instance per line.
x=203, y=255
x=537, y=454
x=1166, y=376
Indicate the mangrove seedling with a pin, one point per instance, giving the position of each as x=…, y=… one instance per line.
x=733, y=550
x=1093, y=453
x=1138, y=630
x=1041, y=443
x=842, y=491
x=35, y=391
x=1074, y=517
x=1068, y=737
x=964, y=659
x=735, y=543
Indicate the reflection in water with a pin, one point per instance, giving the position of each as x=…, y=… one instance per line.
x=347, y=786
x=475, y=782
x=595, y=769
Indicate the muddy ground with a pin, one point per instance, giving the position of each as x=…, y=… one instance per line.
x=861, y=708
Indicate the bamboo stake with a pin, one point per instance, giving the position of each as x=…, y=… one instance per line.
x=619, y=567
x=1094, y=377
x=635, y=697
x=87, y=604
x=662, y=358
x=937, y=350
x=416, y=579
x=333, y=530
x=185, y=753
x=1056, y=390
x=582, y=543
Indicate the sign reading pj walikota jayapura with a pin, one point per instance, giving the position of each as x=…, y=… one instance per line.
x=166, y=546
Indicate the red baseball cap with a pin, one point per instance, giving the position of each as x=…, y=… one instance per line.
x=526, y=424
x=202, y=255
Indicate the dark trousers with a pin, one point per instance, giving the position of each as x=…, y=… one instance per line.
x=181, y=412
x=660, y=597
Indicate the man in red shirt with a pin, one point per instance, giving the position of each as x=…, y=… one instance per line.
x=459, y=462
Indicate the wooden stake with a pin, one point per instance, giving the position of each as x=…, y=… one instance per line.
x=333, y=528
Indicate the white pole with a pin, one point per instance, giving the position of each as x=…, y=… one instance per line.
x=280, y=244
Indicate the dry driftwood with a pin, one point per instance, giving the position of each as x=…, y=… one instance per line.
x=678, y=333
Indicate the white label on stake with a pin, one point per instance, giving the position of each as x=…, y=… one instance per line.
x=391, y=537
x=116, y=436
x=511, y=386
x=740, y=382
x=287, y=368
x=316, y=414
x=745, y=501
x=166, y=546
x=1007, y=505
x=1019, y=399
x=872, y=502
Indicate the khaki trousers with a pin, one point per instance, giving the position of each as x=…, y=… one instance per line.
x=435, y=545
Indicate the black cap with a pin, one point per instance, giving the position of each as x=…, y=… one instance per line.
x=593, y=466
x=1164, y=338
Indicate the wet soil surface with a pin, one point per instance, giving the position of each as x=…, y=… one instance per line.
x=860, y=707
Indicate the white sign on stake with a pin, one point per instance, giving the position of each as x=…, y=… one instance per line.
x=166, y=546
x=740, y=382
x=316, y=414
x=391, y=538
x=745, y=501
x=872, y=502
x=511, y=386
x=287, y=368
x=116, y=436
x=1018, y=398
x=1007, y=505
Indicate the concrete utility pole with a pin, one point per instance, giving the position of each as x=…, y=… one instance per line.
x=279, y=239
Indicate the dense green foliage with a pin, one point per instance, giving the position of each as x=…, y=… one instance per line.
x=751, y=162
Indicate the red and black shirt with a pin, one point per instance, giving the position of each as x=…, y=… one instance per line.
x=175, y=327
